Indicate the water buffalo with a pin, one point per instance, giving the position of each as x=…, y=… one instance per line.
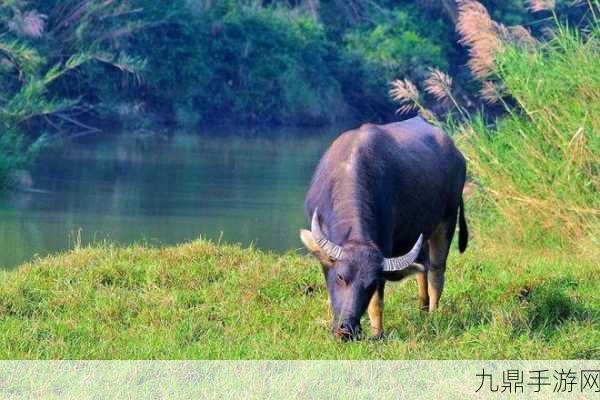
x=383, y=205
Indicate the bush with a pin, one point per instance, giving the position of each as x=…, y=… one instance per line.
x=397, y=45
x=244, y=64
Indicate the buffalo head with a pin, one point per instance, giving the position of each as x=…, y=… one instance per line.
x=352, y=274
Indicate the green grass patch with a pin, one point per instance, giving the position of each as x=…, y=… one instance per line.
x=203, y=301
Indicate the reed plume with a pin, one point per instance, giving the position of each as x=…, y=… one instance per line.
x=520, y=36
x=540, y=5
x=439, y=85
x=490, y=92
x=485, y=37
x=479, y=33
x=30, y=24
x=406, y=94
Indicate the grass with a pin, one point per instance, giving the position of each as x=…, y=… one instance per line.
x=527, y=288
x=201, y=300
x=538, y=166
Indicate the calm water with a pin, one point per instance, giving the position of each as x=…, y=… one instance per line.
x=242, y=186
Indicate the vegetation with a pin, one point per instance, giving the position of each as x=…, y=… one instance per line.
x=68, y=68
x=538, y=165
x=44, y=74
x=527, y=286
x=200, y=300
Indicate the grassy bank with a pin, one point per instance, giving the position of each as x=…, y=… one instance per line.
x=200, y=300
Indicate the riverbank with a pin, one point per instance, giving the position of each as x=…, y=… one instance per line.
x=201, y=300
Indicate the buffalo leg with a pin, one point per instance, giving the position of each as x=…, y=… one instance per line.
x=375, y=311
x=423, y=295
x=329, y=305
x=439, y=245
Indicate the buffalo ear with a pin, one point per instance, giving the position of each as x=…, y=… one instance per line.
x=312, y=246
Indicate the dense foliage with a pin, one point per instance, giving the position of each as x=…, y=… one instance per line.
x=46, y=80
x=71, y=67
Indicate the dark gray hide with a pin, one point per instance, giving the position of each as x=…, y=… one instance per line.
x=377, y=188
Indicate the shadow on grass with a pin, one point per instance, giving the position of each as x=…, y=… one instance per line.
x=460, y=314
x=548, y=307
x=539, y=309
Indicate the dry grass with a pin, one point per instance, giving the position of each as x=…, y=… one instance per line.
x=540, y=5
x=406, y=94
x=439, y=85
x=485, y=37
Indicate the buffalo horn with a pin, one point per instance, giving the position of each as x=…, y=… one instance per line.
x=402, y=262
x=334, y=251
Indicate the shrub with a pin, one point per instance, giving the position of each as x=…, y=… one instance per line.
x=245, y=63
x=398, y=45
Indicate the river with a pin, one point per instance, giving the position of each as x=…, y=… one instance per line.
x=236, y=185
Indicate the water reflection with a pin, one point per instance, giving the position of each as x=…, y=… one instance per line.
x=245, y=186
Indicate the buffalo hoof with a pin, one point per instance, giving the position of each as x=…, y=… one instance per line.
x=378, y=337
x=349, y=337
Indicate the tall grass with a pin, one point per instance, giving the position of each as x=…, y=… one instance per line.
x=539, y=164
